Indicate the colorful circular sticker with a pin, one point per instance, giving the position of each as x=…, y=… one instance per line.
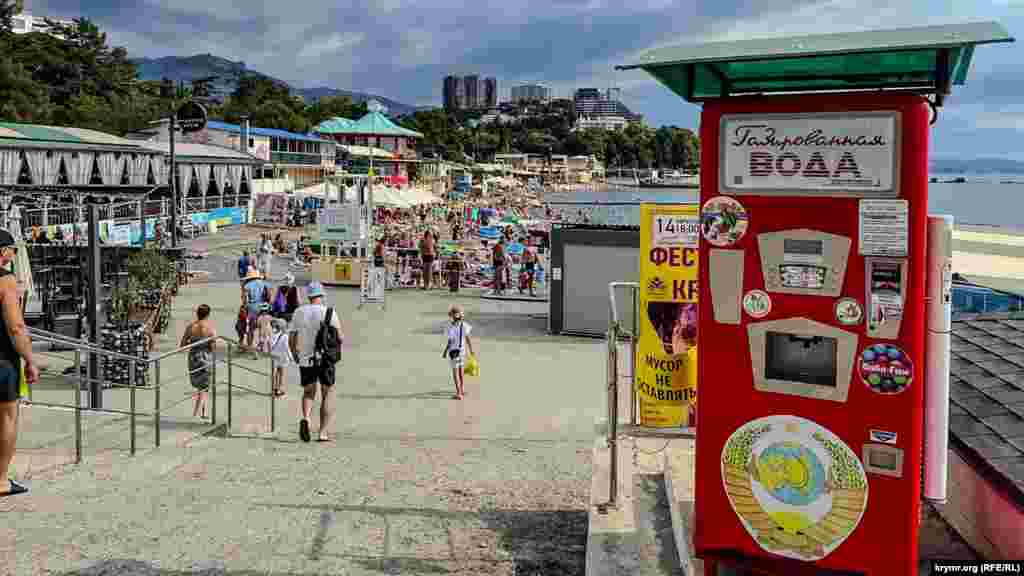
x=798, y=489
x=886, y=369
x=757, y=303
x=723, y=221
x=849, y=312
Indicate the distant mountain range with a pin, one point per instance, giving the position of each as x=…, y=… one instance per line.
x=975, y=166
x=227, y=73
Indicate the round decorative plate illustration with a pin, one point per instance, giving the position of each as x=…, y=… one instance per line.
x=723, y=221
x=849, y=312
x=885, y=369
x=798, y=489
x=757, y=303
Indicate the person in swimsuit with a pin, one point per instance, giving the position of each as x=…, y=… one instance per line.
x=427, y=256
x=15, y=352
x=530, y=264
x=498, y=258
x=200, y=356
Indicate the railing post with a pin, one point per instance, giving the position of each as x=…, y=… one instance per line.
x=228, y=355
x=131, y=399
x=613, y=415
x=213, y=392
x=634, y=337
x=273, y=398
x=78, y=406
x=156, y=401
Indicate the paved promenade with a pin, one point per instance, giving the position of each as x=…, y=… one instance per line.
x=416, y=483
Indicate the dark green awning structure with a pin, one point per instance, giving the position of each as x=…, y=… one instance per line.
x=926, y=60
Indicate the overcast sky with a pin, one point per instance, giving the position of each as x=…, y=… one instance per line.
x=401, y=49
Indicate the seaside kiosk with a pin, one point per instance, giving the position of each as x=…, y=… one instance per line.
x=813, y=271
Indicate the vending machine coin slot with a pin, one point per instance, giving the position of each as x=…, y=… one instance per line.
x=886, y=296
x=802, y=357
x=726, y=270
x=883, y=460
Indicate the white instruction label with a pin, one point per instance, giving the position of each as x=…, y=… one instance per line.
x=884, y=228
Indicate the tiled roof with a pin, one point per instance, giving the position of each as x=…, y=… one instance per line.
x=274, y=132
x=986, y=409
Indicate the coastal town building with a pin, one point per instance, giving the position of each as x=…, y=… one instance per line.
x=25, y=22
x=391, y=147
x=531, y=93
x=565, y=168
x=591, y=102
x=299, y=160
x=601, y=122
x=469, y=92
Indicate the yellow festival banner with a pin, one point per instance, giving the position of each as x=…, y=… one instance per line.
x=666, y=353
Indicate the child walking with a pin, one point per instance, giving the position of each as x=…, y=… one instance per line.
x=458, y=338
x=281, y=353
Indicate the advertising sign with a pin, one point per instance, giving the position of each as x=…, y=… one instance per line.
x=666, y=361
x=191, y=116
x=834, y=152
x=342, y=223
x=271, y=209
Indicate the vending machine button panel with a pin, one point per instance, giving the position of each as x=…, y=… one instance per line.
x=804, y=262
x=883, y=460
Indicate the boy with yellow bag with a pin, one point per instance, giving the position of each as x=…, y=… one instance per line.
x=458, y=338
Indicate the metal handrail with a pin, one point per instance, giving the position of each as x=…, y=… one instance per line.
x=136, y=363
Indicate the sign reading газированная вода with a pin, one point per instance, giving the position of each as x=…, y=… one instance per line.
x=819, y=152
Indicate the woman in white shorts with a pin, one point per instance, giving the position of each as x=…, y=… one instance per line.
x=457, y=341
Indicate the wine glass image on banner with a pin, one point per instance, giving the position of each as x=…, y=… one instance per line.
x=798, y=490
x=675, y=323
x=723, y=221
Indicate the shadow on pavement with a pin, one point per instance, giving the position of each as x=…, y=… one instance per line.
x=512, y=326
x=549, y=542
x=139, y=568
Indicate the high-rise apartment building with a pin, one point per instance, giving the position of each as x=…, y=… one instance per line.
x=472, y=87
x=470, y=92
x=24, y=23
x=531, y=93
x=591, y=102
x=452, y=92
x=490, y=92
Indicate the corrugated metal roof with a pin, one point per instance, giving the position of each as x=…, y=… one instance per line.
x=62, y=134
x=203, y=151
x=335, y=125
x=273, y=132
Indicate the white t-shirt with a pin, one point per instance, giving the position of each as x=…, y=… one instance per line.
x=453, y=335
x=280, y=350
x=306, y=322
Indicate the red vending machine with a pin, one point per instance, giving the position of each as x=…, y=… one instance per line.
x=814, y=226
x=812, y=307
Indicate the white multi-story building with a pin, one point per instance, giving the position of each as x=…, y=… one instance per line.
x=605, y=122
x=24, y=23
x=531, y=93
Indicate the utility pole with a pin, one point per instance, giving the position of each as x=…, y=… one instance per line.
x=173, y=178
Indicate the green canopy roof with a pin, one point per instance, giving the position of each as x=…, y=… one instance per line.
x=336, y=125
x=374, y=123
x=924, y=59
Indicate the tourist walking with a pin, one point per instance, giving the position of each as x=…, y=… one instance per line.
x=200, y=334
x=254, y=293
x=427, y=254
x=15, y=348
x=282, y=355
x=244, y=263
x=266, y=253
x=315, y=341
x=457, y=341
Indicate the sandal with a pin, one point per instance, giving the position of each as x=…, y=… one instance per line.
x=279, y=393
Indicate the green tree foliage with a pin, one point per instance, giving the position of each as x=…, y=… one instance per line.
x=74, y=78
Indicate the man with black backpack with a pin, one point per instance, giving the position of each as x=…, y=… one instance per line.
x=315, y=341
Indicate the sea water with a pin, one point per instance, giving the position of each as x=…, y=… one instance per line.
x=985, y=200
